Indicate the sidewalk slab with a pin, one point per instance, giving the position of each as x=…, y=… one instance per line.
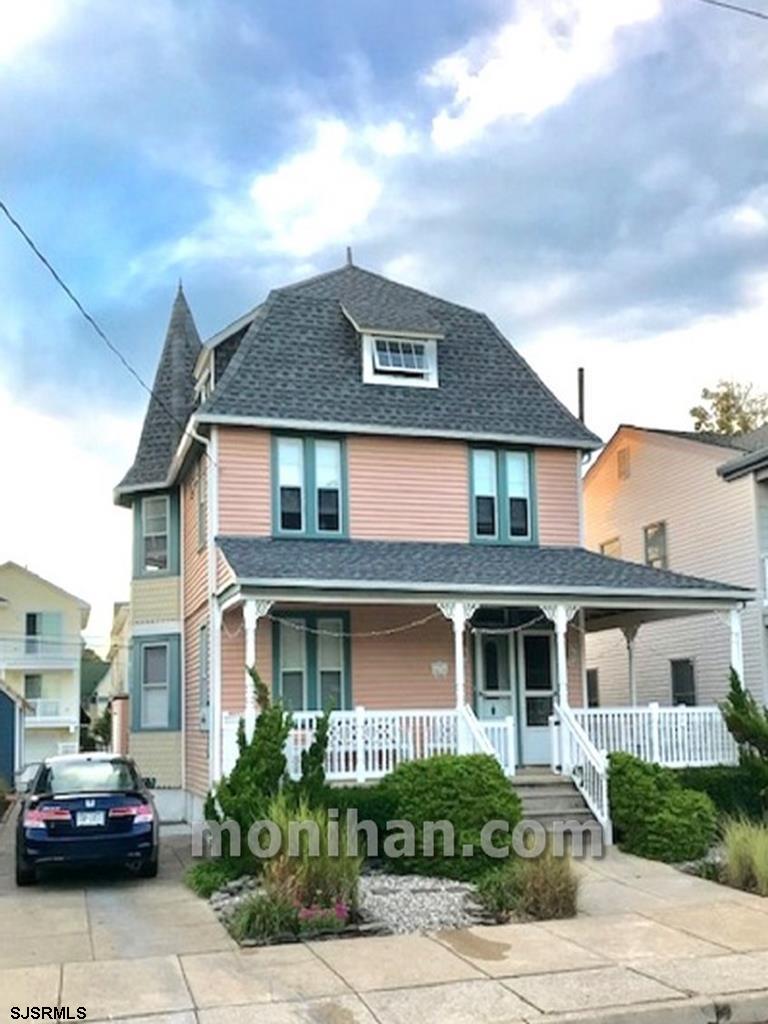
x=123, y=988
x=589, y=990
x=28, y=986
x=230, y=979
x=511, y=949
x=717, y=975
x=338, y=1010
x=393, y=962
x=29, y=950
x=627, y=937
x=460, y=1002
x=733, y=925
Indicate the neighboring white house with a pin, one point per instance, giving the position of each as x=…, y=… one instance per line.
x=40, y=650
x=662, y=497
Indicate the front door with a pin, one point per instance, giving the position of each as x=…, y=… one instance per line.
x=537, y=691
x=496, y=676
x=7, y=738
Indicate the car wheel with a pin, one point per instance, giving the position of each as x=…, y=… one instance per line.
x=149, y=868
x=25, y=874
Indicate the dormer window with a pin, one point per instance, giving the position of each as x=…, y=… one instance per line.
x=407, y=362
x=390, y=356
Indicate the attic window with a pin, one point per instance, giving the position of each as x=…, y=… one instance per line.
x=400, y=361
x=399, y=356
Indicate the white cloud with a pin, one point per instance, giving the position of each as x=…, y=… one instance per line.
x=56, y=513
x=531, y=64
x=24, y=22
x=748, y=218
x=318, y=196
x=654, y=381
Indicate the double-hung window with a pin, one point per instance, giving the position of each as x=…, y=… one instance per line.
x=683, y=681
x=309, y=498
x=204, y=676
x=155, y=686
x=154, y=532
x=655, y=538
x=501, y=495
x=311, y=662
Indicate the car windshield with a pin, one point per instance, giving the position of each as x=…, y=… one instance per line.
x=87, y=777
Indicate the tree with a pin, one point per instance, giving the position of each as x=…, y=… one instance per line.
x=730, y=409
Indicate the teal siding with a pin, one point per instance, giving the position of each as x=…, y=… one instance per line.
x=173, y=642
x=174, y=537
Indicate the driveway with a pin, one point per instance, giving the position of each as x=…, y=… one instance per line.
x=650, y=945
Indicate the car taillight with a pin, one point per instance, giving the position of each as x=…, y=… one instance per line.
x=141, y=813
x=38, y=817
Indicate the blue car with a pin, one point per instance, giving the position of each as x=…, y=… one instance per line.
x=87, y=809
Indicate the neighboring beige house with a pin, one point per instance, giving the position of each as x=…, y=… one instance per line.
x=365, y=491
x=40, y=649
x=660, y=497
x=115, y=679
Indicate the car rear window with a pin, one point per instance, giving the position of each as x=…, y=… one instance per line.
x=87, y=777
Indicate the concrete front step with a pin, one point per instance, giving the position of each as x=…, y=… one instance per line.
x=562, y=806
x=550, y=799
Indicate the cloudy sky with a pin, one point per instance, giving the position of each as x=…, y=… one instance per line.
x=591, y=173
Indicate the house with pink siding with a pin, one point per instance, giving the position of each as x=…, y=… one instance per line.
x=364, y=491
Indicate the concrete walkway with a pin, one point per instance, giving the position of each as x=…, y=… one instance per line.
x=650, y=945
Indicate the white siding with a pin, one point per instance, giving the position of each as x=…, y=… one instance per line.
x=711, y=532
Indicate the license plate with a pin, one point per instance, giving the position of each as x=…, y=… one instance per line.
x=89, y=818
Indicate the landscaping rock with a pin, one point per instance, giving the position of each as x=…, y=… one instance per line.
x=415, y=903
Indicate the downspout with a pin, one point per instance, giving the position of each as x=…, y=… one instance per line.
x=182, y=656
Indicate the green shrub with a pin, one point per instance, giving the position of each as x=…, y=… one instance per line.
x=745, y=855
x=327, y=880
x=466, y=790
x=736, y=790
x=373, y=803
x=746, y=720
x=654, y=816
x=259, y=771
x=206, y=876
x=542, y=888
x=311, y=785
x=264, y=917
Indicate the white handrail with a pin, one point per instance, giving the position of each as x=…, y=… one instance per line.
x=676, y=737
x=475, y=740
x=586, y=765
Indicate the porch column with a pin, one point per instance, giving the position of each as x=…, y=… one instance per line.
x=630, y=633
x=252, y=611
x=737, y=645
x=560, y=615
x=458, y=612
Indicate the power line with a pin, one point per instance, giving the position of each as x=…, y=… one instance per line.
x=93, y=323
x=735, y=7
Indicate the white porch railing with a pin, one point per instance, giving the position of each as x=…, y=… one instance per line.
x=680, y=737
x=501, y=733
x=574, y=754
x=365, y=744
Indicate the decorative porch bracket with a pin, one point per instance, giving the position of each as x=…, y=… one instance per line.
x=630, y=634
x=561, y=615
x=252, y=611
x=458, y=613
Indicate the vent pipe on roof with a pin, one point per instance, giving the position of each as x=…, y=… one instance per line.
x=349, y=256
x=580, y=373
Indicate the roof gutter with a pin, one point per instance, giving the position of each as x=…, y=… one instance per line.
x=274, y=423
x=746, y=464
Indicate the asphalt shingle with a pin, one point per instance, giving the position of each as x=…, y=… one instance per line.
x=518, y=568
x=300, y=362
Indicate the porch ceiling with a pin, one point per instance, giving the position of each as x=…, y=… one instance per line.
x=491, y=574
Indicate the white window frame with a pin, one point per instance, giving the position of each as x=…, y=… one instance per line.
x=330, y=625
x=475, y=454
x=281, y=442
x=150, y=569
x=155, y=686
x=374, y=372
x=300, y=629
x=526, y=496
x=659, y=525
x=317, y=488
x=204, y=676
x=692, y=663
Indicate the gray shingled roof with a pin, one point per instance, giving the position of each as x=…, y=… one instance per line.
x=300, y=363
x=172, y=401
x=451, y=565
x=374, y=313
